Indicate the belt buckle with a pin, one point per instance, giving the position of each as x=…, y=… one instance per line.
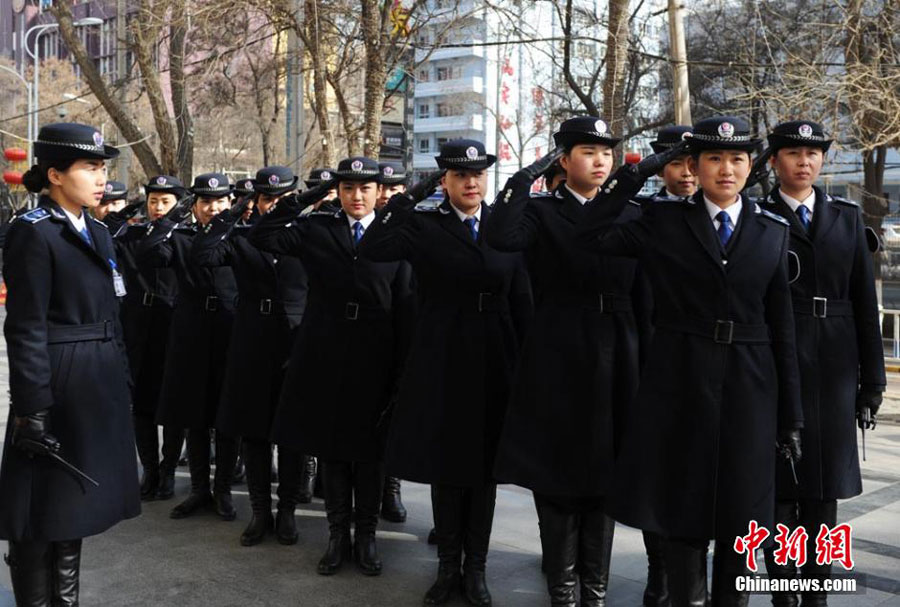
x=820, y=307
x=602, y=303
x=108, y=330
x=212, y=303
x=265, y=306
x=481, y=297
x=728, y=327
x=148, y=298
x=351, y=311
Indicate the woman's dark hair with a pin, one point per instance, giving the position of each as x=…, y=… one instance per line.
x=35, y=179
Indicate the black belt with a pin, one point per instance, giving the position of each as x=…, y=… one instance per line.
x=267, y=307
x=604, y=302
x=476, y=302
x=63, y=334
x=822, y=307
x=149, y=300
x=719, y=331
x=353, y=310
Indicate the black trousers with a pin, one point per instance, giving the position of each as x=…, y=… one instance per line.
x=810, y=514
x=352, y=493
x=686, y=565
x=258, y=464
x=463, y=518
x=146, y=437
x=199, y=460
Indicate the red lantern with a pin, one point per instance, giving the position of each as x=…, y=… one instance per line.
x=15, y=154
x=12, y=177
x=632, y=157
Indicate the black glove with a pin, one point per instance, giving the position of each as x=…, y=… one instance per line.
x=537, y=168
x=30, y=434
x=426, y=186
x=867, y=404
x=653, y=164
x=127, y=212
x=310, y=196
x=236, y=211
x=788, y=445
x=181, y=210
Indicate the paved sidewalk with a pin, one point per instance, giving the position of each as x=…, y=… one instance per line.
x=153, y=560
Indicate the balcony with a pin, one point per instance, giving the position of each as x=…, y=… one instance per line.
x=454, y=52
x=473, y=84
x=472, y=122
x=424, y=161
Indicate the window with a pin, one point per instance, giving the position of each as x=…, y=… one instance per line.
x=443, y=110
x=442, y=140
x=424, y=111
x=424, y=75
x=449, y=72
x=584, y=50
x=424, y=146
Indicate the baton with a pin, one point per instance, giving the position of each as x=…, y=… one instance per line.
x=59, y=460
x=862, y=427
x=50, y=452
x=793, y=470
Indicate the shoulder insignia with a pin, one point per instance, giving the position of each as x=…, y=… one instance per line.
x=671, y=199
x=840, y=200
x=36, y=215
x=763, y=213
x=97, y=221
x=57, y=214
x=322, y=213
x=635, y=203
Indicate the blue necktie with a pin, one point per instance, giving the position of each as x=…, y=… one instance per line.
x=725, y=227
x=803, y=214
x=472, y=224
x=86, y=236
x=358, y=230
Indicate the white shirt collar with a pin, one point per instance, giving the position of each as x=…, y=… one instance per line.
x=462, y=216
x=577, y=196
x=365, y=221
x=809, y=202
x=734, y=211
x=78, y=222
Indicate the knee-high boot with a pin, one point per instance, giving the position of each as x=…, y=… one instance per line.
x=813, y=514
x=30, y=572
x=447, y=508
x=147, y=442
x=337, y=485
x=727, y=565
x=656, y=593
x=227, y=448
x=595, y=539
x=367, y=480
x=479, y=519
x=559, y=544
x=290, y=470
x=173, y=439
x=786, y=514
x=66, y=573
x=686, y=566
x=258, y=463
x=198, y=463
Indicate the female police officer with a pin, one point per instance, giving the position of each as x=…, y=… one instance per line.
x=68, y=373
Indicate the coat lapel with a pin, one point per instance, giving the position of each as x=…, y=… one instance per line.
x=570, y=208
x=340, y=231
x=450, y=222
x=98, y=251
x=824, y=216
x=702, y=227
x=782, y=208
x=743, y=241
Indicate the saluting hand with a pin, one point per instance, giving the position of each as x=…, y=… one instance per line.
x=421, y=190
x=537, y=168
x=653, y=164
x=181, y=210
x=30, y=434
x=127, y=212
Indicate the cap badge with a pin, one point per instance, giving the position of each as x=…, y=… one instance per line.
x=98, y=139
x=109, y=188
x=726, y=129
x=325, y=176
x=600, y=126
x=388, y=171
x=471, y=152
x=805, y=130
x=356, y=165
x=160, y=181
x=274, y=180
x=213, y=182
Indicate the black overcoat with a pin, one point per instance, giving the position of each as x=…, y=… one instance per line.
x=271, y=299
x=474, y=304
x=838, y=352
x=698, y=459
x=200, y=329
x=349, y=350
x=65, y=353
x=579, y=365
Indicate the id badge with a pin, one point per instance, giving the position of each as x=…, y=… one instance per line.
x=118, y=283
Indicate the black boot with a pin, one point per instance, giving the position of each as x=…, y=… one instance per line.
x=447, y=509
x=66, y=573
x=432, y=537
x=392, y=508
x=240, y=471
x=594, y=555
x=226, y=459
x=307, y=479
x=559, y=544
x=258, y=463
x=656, y=593
x=785, y=514
x=338, y=488
x=30, y=572
x=198, y=463
x=478, y=504
x=813, y=514
x=147, y=441
x=290, y=464
x=728, y=565
x=173, y=439
x=686, y=566
x=319, y=485
x=367, y=480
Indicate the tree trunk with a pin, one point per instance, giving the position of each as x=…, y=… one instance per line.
x=113, y=106
x=350, y=131
x=320, y=91
x=373, y=19
x=616, y=60
x=184, y=157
